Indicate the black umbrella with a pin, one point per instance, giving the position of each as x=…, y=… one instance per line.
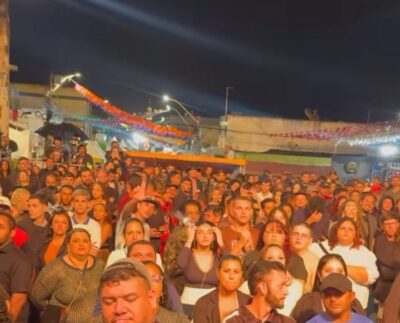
x=63, y=130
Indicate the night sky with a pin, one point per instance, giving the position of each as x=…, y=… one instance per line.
x=341, y=57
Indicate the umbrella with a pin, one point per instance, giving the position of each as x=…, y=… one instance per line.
x=63, y=130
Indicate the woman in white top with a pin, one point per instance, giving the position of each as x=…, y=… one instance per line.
x=133, y=230
x=345, y=240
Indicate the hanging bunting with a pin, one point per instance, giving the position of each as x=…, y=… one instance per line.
x=138, y=123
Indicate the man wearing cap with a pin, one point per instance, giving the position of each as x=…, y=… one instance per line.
x=145, y=209
x=126, y=293
x=337, y=298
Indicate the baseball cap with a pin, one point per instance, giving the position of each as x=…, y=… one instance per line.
x=129, y=263
x=4, y=201
x=337, y=281
x=152, y=200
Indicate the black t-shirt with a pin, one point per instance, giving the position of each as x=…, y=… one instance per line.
x=15, y=270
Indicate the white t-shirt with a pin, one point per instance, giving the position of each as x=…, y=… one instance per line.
x=354, y=257
x=93, y=227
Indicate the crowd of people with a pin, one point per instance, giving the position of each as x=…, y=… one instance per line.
x=127, y=241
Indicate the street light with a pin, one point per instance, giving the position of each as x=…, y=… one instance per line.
x=166, y=98
x=169, y=108
x=67, y=78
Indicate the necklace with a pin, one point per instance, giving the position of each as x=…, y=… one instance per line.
x=77, y=265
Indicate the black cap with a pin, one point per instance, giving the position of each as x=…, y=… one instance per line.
x=337, y=281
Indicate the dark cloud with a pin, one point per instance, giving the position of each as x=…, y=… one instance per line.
x=337, y=56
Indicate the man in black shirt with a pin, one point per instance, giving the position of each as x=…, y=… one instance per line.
x=15, y=270
x=35, y=225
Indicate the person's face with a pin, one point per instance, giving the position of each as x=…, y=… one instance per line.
x=156, y=280
x=97, y=191
x=355, y=196
x=275, y=254
x=230, y=275
x=278, y=215
x=335, y=302
x=60, y=224
x=128, y=301
x=332, y=266
x=288, y=210
x=36, y=209
x=208, y=171
x=23, y=177
x=192, y=212
x=81, y=204
x=350, y=209
x=216, y=196
x=102, y=177
x=277, y=197
x=51, y=181
x=346, y=233
x=221, y=186
x=5, y=230
x=368, y=204
x=305, y=178
x=213, y=217
x=265, y=187
x=235, y=186
x=146, y=209
x=300, y=201
x=242, y=211
x=99, y=212
x=4, y=165
x=176, y=179
x=387, y=205
x=267, y=208
x=143, y=253
x=66, y=196
x=220, y=176
x=395, y=181
x=133, y=232
x=276, y=288
x=359, y=187
x=80, y=244
x=204, y=236
x=50, y=163
x=57, y=143
x=273, y=236
x=171, y=191
x=390, y=227
x=299, y=238
x=186, y=186
x=87, y=178
x=82, y=150
x=23, y=164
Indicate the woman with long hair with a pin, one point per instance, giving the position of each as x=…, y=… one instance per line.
x=69, y=285
x=310, y=304
x=133, y=230
x=345, y=240
x=59, y=226
x=97, y=195
x=199, y=260
x=5, y=168
x=275, y=233
x=352, y=210
x=215, y=306
x=100, y=214
x=24, y=181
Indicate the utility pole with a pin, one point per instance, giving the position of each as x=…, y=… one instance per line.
x=4, y=66
x=224, y=123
